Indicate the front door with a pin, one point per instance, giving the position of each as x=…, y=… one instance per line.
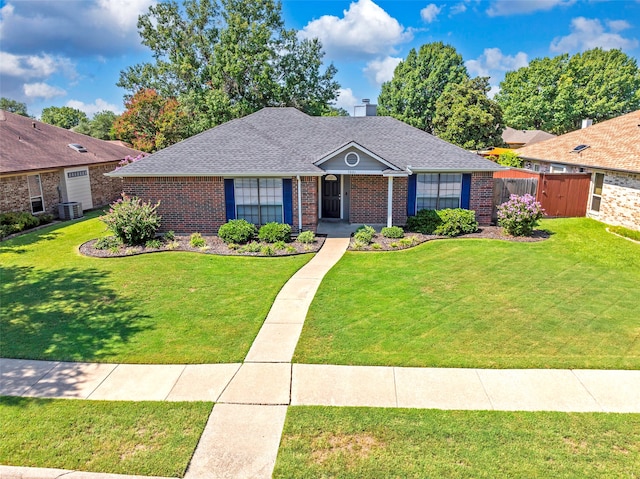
x=331, y=196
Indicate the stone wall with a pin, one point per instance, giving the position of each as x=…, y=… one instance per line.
x=620, y=204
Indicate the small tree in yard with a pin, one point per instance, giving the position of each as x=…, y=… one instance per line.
x=520, y=215
x=132, y=221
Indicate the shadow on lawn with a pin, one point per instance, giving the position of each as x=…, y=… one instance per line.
x=65, y=315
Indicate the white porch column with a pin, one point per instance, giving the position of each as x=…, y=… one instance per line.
x=390, y=202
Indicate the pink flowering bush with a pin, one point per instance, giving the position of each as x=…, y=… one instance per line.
x=132, y=221
x=520, y=215
x=128, y=160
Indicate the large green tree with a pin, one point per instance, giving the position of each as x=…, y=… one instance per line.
x=13, y=106
x=63, y=116
x=466, y=117
x=417, y=83
x=99, y=126
x=555, y=94
x=229, y=59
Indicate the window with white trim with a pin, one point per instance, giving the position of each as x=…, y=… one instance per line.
x=436, y=191
x=596, y=197
x=35, y=193
x=259, y=200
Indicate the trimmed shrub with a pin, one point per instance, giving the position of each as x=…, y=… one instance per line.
x=364, y=234
x=132, y=220
x=197, y=241
x=307, y=237
x=45, y=219
x=392, y=232
x=108, y=242
x=519, y=215
x=456, y=221
x=14, y=222
x=425, y=222
x=236, y=231
x=273, y=232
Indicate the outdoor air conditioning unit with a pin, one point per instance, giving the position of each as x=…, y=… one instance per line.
x=70, y=210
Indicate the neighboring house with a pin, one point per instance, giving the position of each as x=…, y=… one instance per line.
x=282, y=165
x=518, y=138
x=610, y=152
x=42, y=166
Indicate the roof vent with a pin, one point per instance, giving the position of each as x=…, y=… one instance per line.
x=78, y=148
x=579, y=148
x=587, y=122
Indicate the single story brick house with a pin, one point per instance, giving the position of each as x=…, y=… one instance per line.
x=280, y=164
x=42, y=166
x=610, y=152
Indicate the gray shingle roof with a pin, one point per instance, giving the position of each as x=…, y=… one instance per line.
x=280, y=141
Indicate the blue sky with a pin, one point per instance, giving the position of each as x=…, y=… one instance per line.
x=70, y=52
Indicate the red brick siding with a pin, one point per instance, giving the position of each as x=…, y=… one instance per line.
x=482, y=196
x=14, y=192
x=309, y=202
x=187, y=205
x=104, y=190
x=368, y=199
x=400, y=191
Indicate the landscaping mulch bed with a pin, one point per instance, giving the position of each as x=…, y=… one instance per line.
x=214, y=246
x=380, y=243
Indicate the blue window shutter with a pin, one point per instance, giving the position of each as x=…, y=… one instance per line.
x=466, y=191
x=411, y=195
x=287, y=200
x=229, y=199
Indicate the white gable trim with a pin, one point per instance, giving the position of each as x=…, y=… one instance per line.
x=353, y=144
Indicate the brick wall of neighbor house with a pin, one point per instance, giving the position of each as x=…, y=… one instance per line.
x=400, y=201
x=482, y=196
x=14, y=192
x=104, y=189
x=620, y=204
x=187, y=204
x=309, y=189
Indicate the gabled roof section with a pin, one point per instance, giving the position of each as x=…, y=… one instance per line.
x=30, y=145
x=362, y=149
x=283, y=141
x=613, y=144
x=525, y=137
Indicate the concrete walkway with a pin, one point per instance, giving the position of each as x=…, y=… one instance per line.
x=242, y=435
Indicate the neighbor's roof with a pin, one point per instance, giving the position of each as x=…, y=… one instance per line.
x=28, y=145
x=280, y=141
x=613, y=144
x=524, y=137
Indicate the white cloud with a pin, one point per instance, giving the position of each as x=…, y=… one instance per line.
x=42, y=90
x=347, y=100
x=493, y=61
x=590, y=33
x=92, y=108
x=457, y=8
x=430, y=12
x=519, y=7
x=365, y=29
x=381, y=70
x=35, y=66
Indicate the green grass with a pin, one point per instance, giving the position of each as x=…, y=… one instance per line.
x=382, y=443
x=626, y=232
x=571, y=301
x=140, y=438
x=169, y=307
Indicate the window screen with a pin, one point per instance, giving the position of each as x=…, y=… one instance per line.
x=436, y=191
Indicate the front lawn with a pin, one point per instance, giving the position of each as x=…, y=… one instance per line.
x=139, y=438
x=364, y=442
x=571, y=301
x=168, y=307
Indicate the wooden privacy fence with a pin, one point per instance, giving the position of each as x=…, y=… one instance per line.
x=561, y=194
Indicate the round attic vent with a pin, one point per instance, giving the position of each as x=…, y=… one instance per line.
x=352, y=159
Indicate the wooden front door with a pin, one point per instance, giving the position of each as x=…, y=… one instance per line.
x=331, y=197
